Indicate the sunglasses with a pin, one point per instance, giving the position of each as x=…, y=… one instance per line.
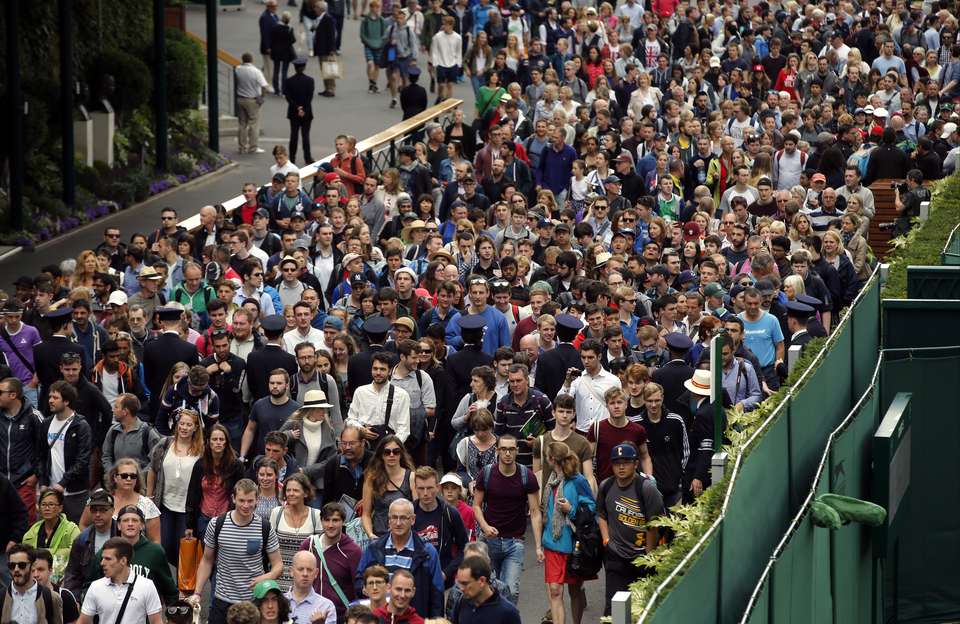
x=425, y=352
x=392, y=451
x=127, y=476
x=181, y=610
x=18, y=565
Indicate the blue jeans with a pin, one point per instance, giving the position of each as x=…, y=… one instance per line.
x=506, y=559
x=172, y=526
x=30, y=394
x=199, y=533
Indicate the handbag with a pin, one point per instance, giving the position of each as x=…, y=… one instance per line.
x=331, y=70
x=191, y=552
x=385, y=429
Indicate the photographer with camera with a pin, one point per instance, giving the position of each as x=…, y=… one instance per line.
x=907, y=199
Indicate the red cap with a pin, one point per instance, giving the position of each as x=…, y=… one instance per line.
x=330, y=177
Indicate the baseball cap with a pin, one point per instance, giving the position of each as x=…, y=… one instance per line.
x=623, y=452
x=117, y=297
x=261, y=589
x=100, y=498
x=818, y=177
x=453, y=478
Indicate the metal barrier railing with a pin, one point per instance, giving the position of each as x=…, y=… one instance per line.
x=379, y=152
x=226, y=80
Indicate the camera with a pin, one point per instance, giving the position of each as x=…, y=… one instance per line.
x=900, y=186
x=883, y=227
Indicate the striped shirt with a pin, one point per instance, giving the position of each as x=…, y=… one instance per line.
x=239, y=556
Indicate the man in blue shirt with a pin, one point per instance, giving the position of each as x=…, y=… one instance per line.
x=556, y=165
x=763, y=336
x=497, y=332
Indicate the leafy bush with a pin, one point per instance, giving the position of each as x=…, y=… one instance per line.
x=922, y=246
x=185, y=71
x=182, y=165
x=132, y=77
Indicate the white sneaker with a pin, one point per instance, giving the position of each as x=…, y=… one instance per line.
x=258, y=150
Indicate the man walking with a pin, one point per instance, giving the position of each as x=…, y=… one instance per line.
x=20, y=436
x=379, y=407
x=236, y=545
x=762, y=335
x=251, y=85
x=65, y=458
x=298, y=89
x=626, y=504
x=27, y=601
x=503, y=494
x=325, y=46
x=119, y=579
x=268, y=414
x=306, y=605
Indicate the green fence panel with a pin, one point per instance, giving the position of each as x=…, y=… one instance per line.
x=919, y=323
x=866, y=338
x=694, y=599
x=757, y=515
x=793, y=580
x=929, y=578
x=761, y=609
x=819, y=406
x=822, y=597
x=950, y=256
x=933, y=282
x=852, y=552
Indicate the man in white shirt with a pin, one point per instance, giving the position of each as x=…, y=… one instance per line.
x=24, y=597
x=633, y=10
x=65, y=456
x=788, y=163
x=446, y=54
x=306, y=605
x=303, y=332
x=369, y=408
x=589, y=386
x=250, y=85
x=107, y=597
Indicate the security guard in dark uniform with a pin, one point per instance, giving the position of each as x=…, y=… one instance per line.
x=359, y=365
x=460, y=364
x=298, y=89
x=676, y=371
x=814, y=326
x=270, y=357
x=553, y=365
x=47, y=354
x=161, y=354
x=798, y=333
x=413, y=97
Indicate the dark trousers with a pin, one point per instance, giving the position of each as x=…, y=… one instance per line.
x=771, y=377
x=218, y=611
x=338, y=20
x=280, y=70
x=300, y=126
x=619, y=573
x=172, y=526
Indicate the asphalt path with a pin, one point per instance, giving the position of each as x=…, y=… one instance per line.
x=353, y=111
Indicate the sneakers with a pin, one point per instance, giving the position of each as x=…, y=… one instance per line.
x=328, y=94
x=257, y=150
x=393, y=103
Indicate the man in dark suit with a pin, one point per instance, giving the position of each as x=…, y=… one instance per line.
x=325, y=45
x=298, y=89
x=798, y=318
x=553, y=365
x=359, y=364
x=461, y=364
x=160, y=355
x=675, y=372
x=413, y=97
x=47, y=354
x=271, y=357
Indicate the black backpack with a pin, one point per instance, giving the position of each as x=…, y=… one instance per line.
x=587, y=557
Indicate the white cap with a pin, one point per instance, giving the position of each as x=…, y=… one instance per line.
x=948, y=130
x=451, y=477
x=880, y=112
x=118, y=297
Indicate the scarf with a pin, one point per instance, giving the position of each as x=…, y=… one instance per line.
x=558, y=519
x=846, y=236
x=313, y=437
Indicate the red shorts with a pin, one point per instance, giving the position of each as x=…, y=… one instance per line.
x=555, y=568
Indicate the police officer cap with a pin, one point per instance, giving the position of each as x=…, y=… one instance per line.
x=810, y=301
x=799, y=310
x=299, y=62
x=472, y=321
x=569, y=321
x=170, y=314
x=59, y=313
x=273, y=323
x=413, y=70
x=376, y=325
x=679, y=342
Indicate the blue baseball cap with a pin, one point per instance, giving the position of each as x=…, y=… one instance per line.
x=623, y=452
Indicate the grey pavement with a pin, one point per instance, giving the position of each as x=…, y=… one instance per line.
x=354, y=112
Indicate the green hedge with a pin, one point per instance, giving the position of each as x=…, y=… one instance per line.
x=923, y=245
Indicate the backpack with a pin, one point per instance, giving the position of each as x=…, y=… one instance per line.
x=779, y=155
x=264, y=536
x=488, y=470
x=587, y=556
x=637, y=488
x=144, y=440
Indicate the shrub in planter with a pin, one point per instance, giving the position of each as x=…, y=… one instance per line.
x=181, y=165
x=185, y=69
x=132, y=78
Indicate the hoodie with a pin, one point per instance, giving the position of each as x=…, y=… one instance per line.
x=409, y=615
x=149, y=561
x=20, y=439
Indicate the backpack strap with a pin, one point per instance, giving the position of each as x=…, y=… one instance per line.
x=47, y=603
x=419, y=375
x=386, y=415
x=487, y=471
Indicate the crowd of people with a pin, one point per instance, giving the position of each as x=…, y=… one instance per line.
x=369, y=392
